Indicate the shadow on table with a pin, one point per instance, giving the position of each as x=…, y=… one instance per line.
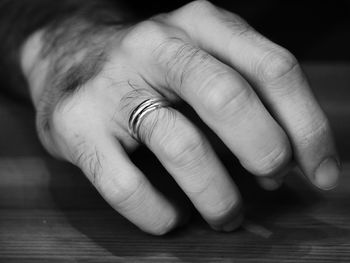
x=280, y=224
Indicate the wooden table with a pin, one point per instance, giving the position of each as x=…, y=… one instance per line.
x=50, y=213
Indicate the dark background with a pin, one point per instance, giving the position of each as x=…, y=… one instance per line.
x=311, y=30
x=317, y=31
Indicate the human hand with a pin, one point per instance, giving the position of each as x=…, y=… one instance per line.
x=248, y=90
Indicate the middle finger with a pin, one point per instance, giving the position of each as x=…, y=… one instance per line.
x=226, y=102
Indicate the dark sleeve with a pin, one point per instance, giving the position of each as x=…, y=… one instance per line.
x=19, y=19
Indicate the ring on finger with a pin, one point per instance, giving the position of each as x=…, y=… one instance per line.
x=138, y=115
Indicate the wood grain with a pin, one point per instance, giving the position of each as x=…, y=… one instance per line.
x=50, y=213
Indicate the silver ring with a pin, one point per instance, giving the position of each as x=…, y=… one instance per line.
x=141, y=111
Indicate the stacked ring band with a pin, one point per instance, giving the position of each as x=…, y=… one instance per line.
x=141, y=111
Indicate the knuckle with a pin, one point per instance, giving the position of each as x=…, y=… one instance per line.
x=276, y=65
x=316, y=131
x=184, y=148
x=238, y=27
x=69, y=112
x=194, y=12
x=181, y=61
x=150, y=27
x=143, y=34
x=64, y=121
x=123, y=192
x=63, y=129
x=222, y=99
x=75, y=115
x=200, y=6
x=272, y=161
x=89, y=160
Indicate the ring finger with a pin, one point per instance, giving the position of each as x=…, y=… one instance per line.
x=188, y=157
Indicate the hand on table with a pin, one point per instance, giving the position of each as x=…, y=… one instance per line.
x=248, y=90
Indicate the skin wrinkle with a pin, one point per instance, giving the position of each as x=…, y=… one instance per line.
x=137, y=94
x=95, y=165
x=93, y=159
x=168, y=117
x=118, y=84
x=180, y=59
x=127, y=102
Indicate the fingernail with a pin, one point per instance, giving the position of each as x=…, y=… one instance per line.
x=233, y=224
x=327, y=174
x=271, y=184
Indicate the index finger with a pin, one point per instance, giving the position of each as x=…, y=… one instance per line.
x=277, y=78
